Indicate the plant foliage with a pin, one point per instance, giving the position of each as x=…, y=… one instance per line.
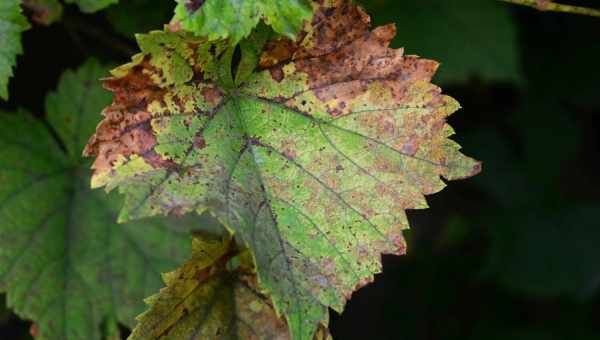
x=64, y=262
x=309, y=151
x=12, y=24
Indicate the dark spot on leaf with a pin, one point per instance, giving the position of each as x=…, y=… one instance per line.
x=193, y=5
x=276, y=74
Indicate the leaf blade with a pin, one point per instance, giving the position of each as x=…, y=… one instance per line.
x=12, y=24
x=63, y=261
x=311, y=162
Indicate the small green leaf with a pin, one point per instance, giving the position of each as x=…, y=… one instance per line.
x=207, y=298
x=89, y=6
x=12, y=24
x=64, y=263
x=310, y=160
x=220, y=19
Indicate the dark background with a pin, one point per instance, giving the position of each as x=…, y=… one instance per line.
x=513, y=253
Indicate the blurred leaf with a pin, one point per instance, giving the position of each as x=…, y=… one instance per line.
x=63, y=261
x=546, y=252
x=455, y=231
x=89, y=6
x=560, y=54
x=44, y=12
x=12, y=24
x=549, y=138
x=134, y=16
x=500, y=333
x=468, y=37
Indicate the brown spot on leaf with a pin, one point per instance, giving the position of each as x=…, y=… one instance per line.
x=276, y=73
x=193, y=5
x=276, y=52
x=212, y=95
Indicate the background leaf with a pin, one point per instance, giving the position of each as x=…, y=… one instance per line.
x=89, y=6
x=470, y=38
x=12, y=24
x=149, y=15
x=63, y=261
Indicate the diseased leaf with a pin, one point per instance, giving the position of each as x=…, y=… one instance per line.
x=90, y=6
x=219, y=19
x=215, y=295
x=311, y=160
x=44, y=12
x=64, y=263
x=12, y=24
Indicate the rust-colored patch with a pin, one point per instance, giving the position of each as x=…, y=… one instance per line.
x=212, y=95
x=34, y=330
x=126, y=129
x=276, y=73
x=276, y=52
x=344, y=57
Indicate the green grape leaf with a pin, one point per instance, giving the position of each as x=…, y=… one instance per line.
x=90, y=6
x=310, y=157
x=12, y=24
x=215, y=295
x=44, y=12
x=470, y=38
x=64, y=262
x=219, y=19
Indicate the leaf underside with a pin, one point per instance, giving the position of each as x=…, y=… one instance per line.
x=220, y=19
x=309, y=154
x=12, y=24
x=212, y=296
x=64, y=262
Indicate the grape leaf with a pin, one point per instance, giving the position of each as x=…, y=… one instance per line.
x=90, y=6
x=12, y=24
x=63, y=261
x=213, y=296
x=218, y=19
x=44, y=12
x=311, y=159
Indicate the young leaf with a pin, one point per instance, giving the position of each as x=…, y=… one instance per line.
x=63, y=261
x=220, y=19
x=311, y=160
x=12, y=24
x=212, y=296
x=90, y=6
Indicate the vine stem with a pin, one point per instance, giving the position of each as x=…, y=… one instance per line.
x=548, y=5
